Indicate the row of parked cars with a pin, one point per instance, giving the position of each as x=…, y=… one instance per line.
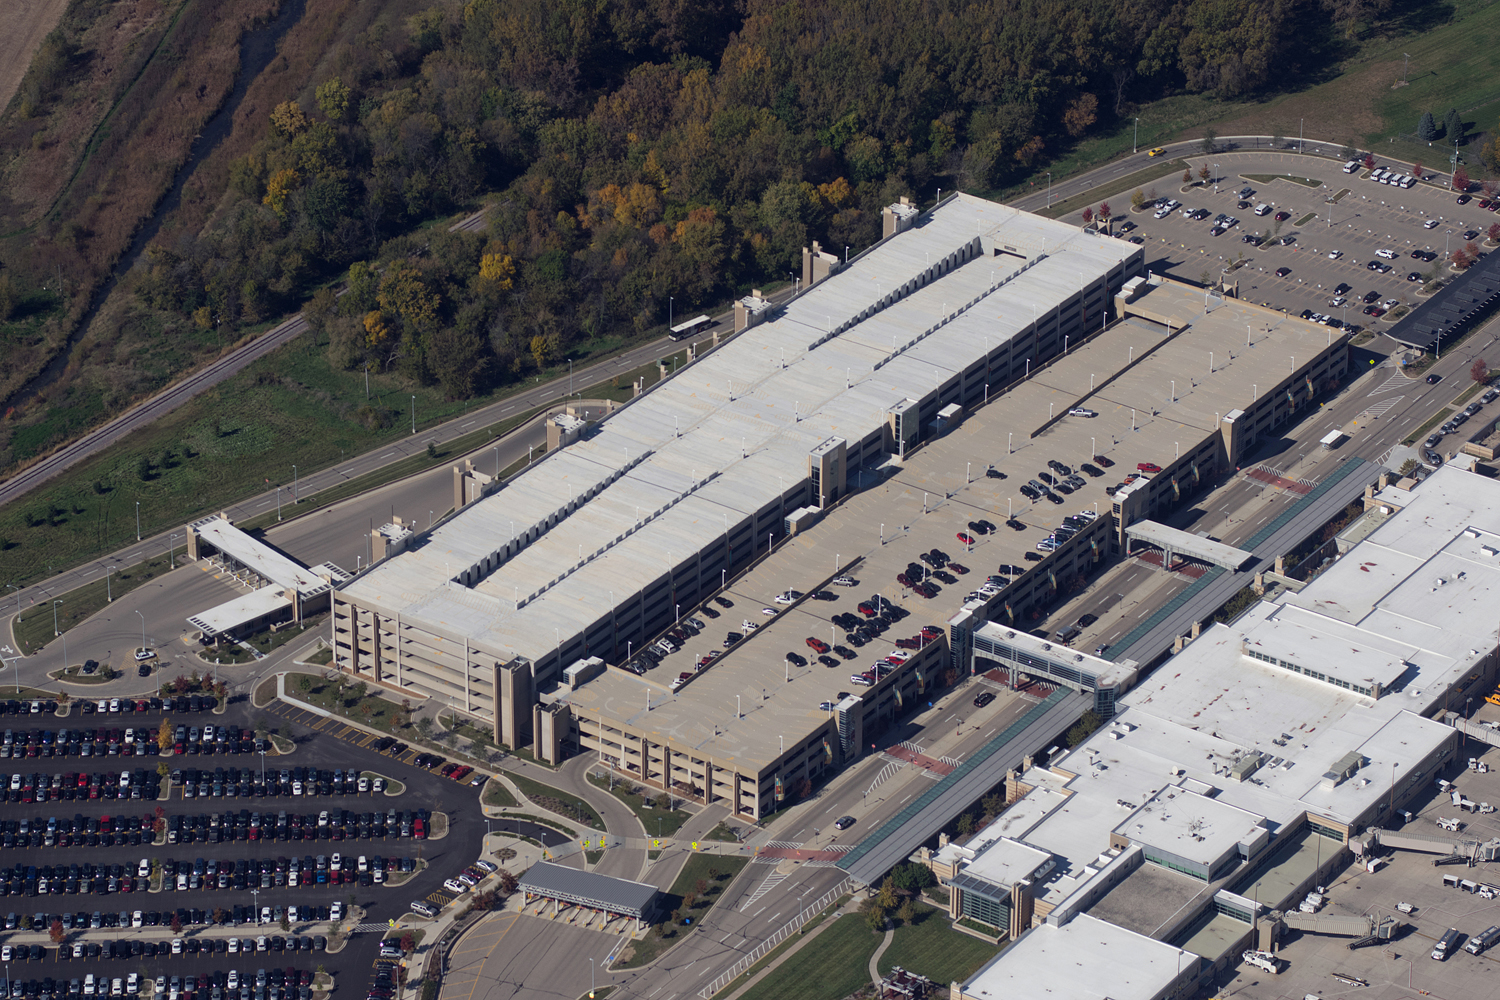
x=470, y=877
x=267, y=873
x=334, y=825
x=1455, y=422
x=139, y=784
x=127, y=742
x=236, y=916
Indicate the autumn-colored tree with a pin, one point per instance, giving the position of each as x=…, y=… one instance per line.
x=498, y=269
x=333, y=99
x=1088, y=215
x=1081, y=113
x=1479, y=371
x=288, y=119
x=1460, y=179
x=1460, y=259
x=1137, y=199
x=508, y=882
x=402, y=291
x=176, y=924
x=1187, y=175
x=1204, y=173
x=281, y=185
x=1369, y=161
x=55, y=931
x=1493, y=233
x=165, y=734
x=1416, y=170
x=1472, y=249
x=376, y=332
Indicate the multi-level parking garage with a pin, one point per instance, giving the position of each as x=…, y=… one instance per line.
x=600, y=544
x=1037, y=453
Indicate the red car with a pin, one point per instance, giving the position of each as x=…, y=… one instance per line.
x=957, y=568
x=931, y=631
x=817, y=644
x=1148, y=467
x=1102, y=462
x=419, y=829
x=966, y=539
x=462, y=773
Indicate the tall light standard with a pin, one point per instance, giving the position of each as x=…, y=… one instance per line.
x=1135, y=144
x=55, y=632
x=278, y=503
x=143, y=630
x=669, y=312
x=137, y=520
x=172, y=547
x=591, y=977
x=1049, y=189
x=1216, y=178
x=414, y=414
x=108, y=594
x=294, y=484
x=1299, y=134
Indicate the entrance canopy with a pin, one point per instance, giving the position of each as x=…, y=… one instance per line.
x=590, y=889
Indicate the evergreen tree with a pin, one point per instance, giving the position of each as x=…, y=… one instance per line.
x=1427, y=128
x=1453, y=125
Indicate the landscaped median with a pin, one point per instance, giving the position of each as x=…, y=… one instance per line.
x=657, y=821
x=34, y=626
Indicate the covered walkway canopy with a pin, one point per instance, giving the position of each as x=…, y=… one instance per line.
x=1175, y=541
x=571, y=887
x=929, y=812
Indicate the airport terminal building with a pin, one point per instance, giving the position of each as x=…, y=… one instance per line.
x=884, y=408
x=1256, y=760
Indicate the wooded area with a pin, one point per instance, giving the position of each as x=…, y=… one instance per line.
x=637, y=150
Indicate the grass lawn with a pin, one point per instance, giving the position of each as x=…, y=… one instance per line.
x=657, y=822
x=265, y=642
x=557, y=801
x=833, y=966
x=1428, y=425
x=355, y=701
x=930, y=947
x=34, y=626
x=1159, y=176
x=698, y=866
x=1268, y=178
x=497, y=795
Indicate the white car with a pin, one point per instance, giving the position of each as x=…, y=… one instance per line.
x=748, y=625
x=234, y=978
x=454, y=885
x=177, y=946
x=336, y=912
x=145, y=653
x=234, y=949
x=143, y=869
x=363, y=864
x=1387, y=254
x=843, y=581
x=1082, y=411
x=1335, y=254
x=768, y=612
x=1430, y=224
x=336, y=863
x=137, y=919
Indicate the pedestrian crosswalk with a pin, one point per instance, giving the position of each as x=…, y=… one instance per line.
x=1381, y=408
x=1397, y=381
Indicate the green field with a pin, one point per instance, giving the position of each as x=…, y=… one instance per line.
x=832, y=965
x=932, y=948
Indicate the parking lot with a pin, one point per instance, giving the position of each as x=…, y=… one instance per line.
x=214, y=830
x=1329, y=255
x=1403, y=966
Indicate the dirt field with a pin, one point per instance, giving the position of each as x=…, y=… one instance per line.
x=26, y=24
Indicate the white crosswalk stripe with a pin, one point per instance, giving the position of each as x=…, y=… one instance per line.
x=1391, y=384
x=1383, y=407
x=771, y=881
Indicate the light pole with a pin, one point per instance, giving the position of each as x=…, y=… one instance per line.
x=1405, y=65
x=108, y=595
x=294, y=484
x=55, y=632
x=1135, y=144
x=414, y=414
x=1216, y=178
x=143, y=630
x=591, y=977
x=137, y=520
x=1299, y=134
x=570, y=378
x=1049, y=189
x=497, y=462
x=172, y=547
x=669, y=312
